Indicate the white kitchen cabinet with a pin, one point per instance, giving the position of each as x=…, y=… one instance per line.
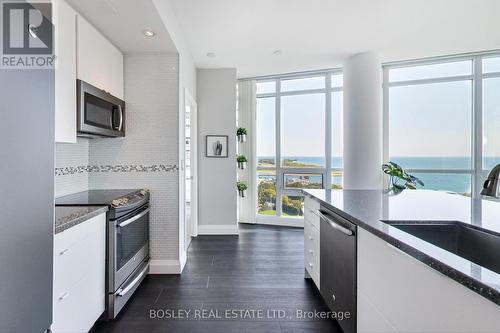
x=65, y=72
x=398, y=293
x=99, y=62
x=79, y=276
x=311, y=240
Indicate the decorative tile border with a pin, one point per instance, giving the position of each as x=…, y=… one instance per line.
x=115, y=168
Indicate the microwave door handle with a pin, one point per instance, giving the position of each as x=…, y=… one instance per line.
x=111, y=116
x=120, y=108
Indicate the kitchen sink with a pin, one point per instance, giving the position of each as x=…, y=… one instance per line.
x=479, y=246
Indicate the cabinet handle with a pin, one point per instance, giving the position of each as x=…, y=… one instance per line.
x=311, y=265
x=63, y=296
x=311, y=251
x=310, y=238
x=63, y=252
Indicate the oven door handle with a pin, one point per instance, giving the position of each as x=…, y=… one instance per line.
x=133, y=219
x=124, y=291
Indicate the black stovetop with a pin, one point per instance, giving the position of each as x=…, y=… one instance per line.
x=94, y=197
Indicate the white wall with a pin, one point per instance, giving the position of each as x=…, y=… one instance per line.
x=187, y=81
x=246, y=118
x=217, y=176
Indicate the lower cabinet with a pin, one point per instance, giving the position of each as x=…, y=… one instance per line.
x=311, y=241
x=79, y=276
x=397, y=293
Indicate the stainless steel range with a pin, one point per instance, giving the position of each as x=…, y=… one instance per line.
x=127, y=237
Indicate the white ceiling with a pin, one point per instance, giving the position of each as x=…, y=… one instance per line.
x=317, y=34
x=123, y=23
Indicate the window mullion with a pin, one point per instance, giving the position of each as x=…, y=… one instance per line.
x=477, y=127
x=327, y=180
x=279, y=173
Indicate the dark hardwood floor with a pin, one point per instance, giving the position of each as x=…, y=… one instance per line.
x=261, y=269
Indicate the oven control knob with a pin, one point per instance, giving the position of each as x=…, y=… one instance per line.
x=119, y=202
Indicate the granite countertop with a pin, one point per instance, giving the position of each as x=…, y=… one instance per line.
x=368, y=208
x=69, y=216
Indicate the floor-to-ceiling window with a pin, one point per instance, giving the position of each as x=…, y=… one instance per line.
x=443, y=120
x=299, y=140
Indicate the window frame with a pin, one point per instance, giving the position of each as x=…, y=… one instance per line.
x=477, y=171
x=280, y=170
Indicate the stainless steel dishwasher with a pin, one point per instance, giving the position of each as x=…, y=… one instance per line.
x=338, y=261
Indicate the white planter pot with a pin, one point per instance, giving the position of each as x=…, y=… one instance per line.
x=242, y=138
x=242, y=165
x=243, y=193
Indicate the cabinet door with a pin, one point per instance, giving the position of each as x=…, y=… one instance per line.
x=100, y=63
x=79, y=276
x=412, y=297
x=65, y=72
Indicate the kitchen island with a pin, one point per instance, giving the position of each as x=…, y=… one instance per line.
x=405, y=282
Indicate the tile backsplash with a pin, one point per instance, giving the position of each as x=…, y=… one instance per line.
x=73, y=156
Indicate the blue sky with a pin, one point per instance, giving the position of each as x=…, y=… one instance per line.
x=425, y=120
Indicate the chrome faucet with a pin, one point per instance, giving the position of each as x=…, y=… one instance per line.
x=491, y=187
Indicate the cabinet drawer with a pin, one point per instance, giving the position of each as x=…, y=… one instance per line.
x=311, y=251
x=311, y=207
x=311, y=216
x=78, y=255
x=68, y=237
x=77, y=309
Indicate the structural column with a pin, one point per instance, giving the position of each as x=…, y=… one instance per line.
x=363, y=122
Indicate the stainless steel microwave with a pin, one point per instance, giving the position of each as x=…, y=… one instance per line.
x=100, y=114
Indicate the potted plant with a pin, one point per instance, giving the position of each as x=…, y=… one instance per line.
x=242, y=188
x=242, y=134
x=399, y=178
x=242, y=161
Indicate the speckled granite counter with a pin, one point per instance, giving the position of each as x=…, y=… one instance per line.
x=368, y=208
x=69, y=216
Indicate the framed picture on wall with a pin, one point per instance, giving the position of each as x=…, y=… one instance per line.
x=217, y=146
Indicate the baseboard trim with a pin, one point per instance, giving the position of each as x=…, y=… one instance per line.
x=165, y=267
x=220, y=229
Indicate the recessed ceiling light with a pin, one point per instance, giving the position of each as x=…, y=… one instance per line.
x=149, y=33
x=211, y=55
x=278, y=52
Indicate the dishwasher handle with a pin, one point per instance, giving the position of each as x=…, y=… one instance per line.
x=334, y=224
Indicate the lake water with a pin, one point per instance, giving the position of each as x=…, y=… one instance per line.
x=460, y=183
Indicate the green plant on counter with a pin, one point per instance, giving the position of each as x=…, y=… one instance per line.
x=241, y=158
x=241, y=131
x=399, y=178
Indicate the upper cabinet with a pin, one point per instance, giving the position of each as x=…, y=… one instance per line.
x=65, y=72
x=82, y=52
x=99, y=62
